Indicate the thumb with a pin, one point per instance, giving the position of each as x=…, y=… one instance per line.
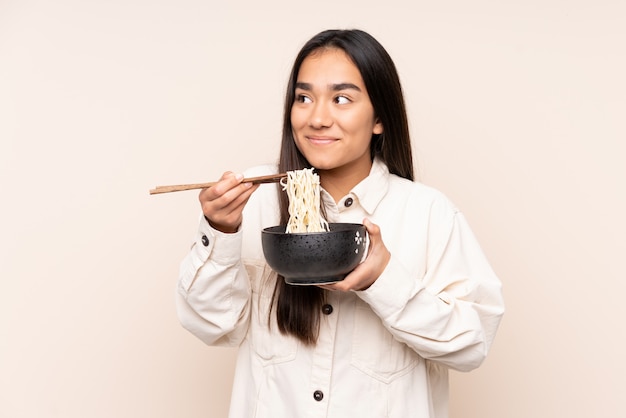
x=373, y=231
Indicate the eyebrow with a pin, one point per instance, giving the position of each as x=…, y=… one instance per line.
x=333, y=87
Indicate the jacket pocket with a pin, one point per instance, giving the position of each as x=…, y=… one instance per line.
x=375, y=351
x=267, y=342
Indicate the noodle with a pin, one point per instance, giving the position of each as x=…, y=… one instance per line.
x=303, y=191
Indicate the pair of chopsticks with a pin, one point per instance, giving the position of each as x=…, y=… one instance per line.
x=273, y=178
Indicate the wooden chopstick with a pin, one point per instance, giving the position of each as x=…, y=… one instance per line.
x=273, y=178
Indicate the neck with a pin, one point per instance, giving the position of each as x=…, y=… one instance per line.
x=339, y=181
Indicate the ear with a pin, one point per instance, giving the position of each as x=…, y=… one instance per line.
x=378, y=127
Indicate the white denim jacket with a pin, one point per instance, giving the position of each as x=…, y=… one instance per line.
x=382, y=352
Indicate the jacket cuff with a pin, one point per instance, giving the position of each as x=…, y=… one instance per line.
x=211, y=244
x=391, y=291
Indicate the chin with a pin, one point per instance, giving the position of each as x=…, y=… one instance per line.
x=321, y=164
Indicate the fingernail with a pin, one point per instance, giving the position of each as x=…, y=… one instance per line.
x=239, y=176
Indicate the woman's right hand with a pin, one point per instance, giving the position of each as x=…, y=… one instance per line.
x=223, y=203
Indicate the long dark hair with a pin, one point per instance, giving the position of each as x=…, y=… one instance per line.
x=298, y=308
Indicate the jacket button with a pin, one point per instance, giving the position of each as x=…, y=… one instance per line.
x=205, y=241
x=318, y=395
x=349, y=201
x=327, y=309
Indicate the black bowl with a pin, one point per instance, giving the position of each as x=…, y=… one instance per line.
x=314, y=257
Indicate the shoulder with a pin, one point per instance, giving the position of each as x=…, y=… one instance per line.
x=420, y=204
x=418, y=193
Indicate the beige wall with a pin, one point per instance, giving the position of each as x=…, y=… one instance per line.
x=517, y=111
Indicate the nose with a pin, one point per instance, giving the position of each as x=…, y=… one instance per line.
x=320, y=116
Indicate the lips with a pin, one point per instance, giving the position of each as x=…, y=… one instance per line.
x=321, y=140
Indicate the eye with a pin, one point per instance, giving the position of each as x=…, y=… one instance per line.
x=342, y=100
x=301, y=98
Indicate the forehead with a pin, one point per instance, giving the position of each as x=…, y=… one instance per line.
x=329, y=66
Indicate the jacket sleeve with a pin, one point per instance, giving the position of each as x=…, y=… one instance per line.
x=449, y=315
x=213, y=291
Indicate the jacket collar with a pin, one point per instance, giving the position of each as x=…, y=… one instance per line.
x=371, y=190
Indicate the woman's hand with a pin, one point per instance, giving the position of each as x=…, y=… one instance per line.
x=223, y=203
x=371, y=268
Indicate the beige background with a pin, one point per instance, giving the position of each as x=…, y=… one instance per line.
x=517, y=112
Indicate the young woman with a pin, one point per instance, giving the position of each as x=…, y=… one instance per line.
x=380, y=342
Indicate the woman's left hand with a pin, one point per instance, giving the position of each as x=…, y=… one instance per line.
x=371, y=268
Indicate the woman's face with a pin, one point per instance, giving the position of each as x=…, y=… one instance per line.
x=332, y=117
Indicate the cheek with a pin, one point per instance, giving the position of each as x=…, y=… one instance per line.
x=297, y=118
x=361, y=127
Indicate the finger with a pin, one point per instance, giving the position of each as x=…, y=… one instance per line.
x=236, y=195
x=351, y=282
x=228, y=202
x=372, y=229
x=341, y=286
x=224, y=184
x=224, y=193
x=241, y=194
x=228, y=208
x=227, y=182
x=330, y=287
x=370, y=269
